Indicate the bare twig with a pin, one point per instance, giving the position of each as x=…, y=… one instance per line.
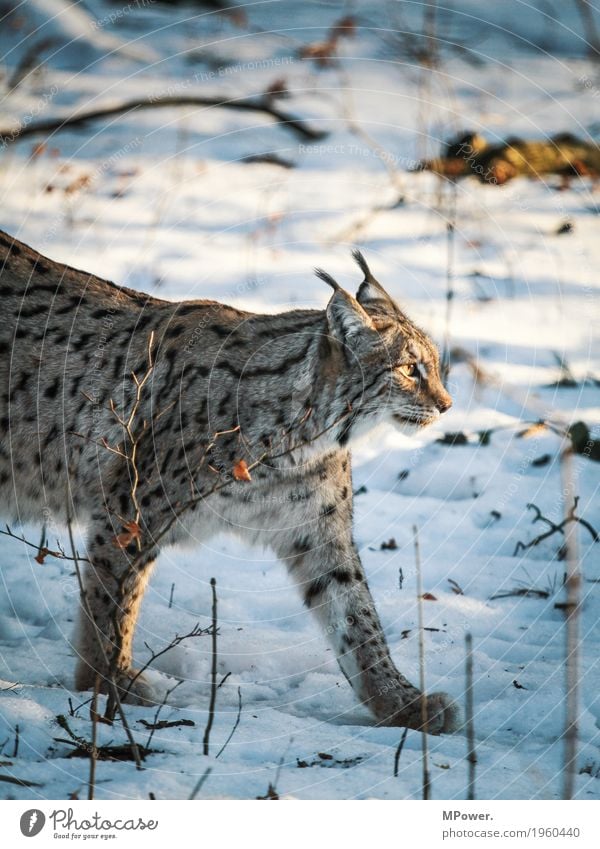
x=264, y=457
x=272, y=793
x=83, y=748
x=155, y=724
x=198, y=786
x=94, y=749
x=450, y=259
x=196, y=631
x=424, y=715
x=223, y=679
x=213, y=676
x=586, y=12
x=17, y=738
x=572, y=612
x=521, y=592
x=167, y=723
x=42, y=552
x=20, y=782
x=8, y=135
x=555, y=528
x=399, y=751
x=237, y=722
x=353, y=231
x=470, y=726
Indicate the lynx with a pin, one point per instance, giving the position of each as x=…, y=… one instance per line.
x=150, y=420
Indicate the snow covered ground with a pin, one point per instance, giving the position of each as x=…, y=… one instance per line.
x=162, y=200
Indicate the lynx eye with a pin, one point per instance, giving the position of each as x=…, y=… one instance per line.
x=408, y=369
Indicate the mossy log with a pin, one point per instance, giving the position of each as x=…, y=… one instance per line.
x=470, y=155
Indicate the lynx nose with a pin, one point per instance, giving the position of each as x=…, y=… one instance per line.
x=444, y=404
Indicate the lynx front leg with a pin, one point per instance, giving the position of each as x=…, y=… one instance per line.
x=114, y=583
x=323, y=560
x=333, y=585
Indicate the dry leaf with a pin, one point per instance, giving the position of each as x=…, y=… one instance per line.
x=79, y=183
x=131, y=532
x=241, y=471
x=44, y=552
x=532, y=430
x=428, y=597
x=323, y=52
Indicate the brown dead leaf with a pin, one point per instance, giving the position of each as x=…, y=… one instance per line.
x=428, y=597
x=44, y=552
x=241, y=471
x=322, y=52
x=532, y=430
x=131, y=532
x=79, y=183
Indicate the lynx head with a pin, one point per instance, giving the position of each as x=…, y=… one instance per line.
x=391, y=368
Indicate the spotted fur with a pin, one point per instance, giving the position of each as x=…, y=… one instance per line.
x=285, y=393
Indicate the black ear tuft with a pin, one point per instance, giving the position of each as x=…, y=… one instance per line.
x=362, y=264
x=327, y=278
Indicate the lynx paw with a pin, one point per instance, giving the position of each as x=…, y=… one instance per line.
x=135, y=689
x=443, y=714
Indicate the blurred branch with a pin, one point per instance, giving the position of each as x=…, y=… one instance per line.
x=9, y=135
x=586, y=13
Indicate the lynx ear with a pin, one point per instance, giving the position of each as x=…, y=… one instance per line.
x=371, y=294
x=347, y=319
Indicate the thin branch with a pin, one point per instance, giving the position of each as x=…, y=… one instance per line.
x=9, y=135
x=155, y=723
x=20, y=782
x=424, y=713
x=196, y=631
x=266, y=456
x=198, y=786
x=94, y=748
x=237, y=722
x=572, y=610
x=450, y=261
x=43, y=552
x=213, y=683
x=470, y=727
x=554, y=528
x=399, y=751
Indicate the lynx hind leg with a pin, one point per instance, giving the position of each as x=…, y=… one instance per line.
x=113, y=590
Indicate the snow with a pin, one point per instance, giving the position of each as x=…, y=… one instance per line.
x=170, y=208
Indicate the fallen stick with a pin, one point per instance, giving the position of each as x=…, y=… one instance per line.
x=9, y=135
